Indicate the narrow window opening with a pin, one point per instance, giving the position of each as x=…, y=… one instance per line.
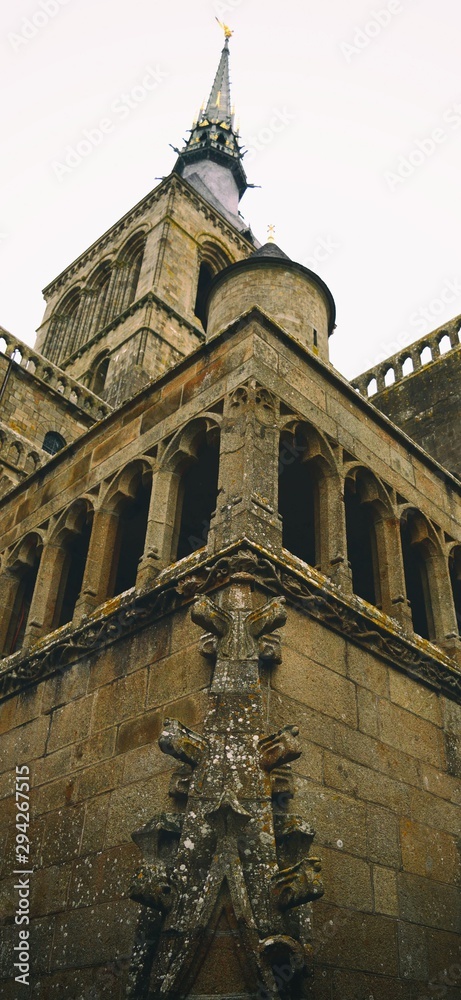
x=445, y=344
x=204, y=281
x=361, y=545
x=455, y=577
x=135, y=271
x=131, y=538
x=199, y=487
x=416, y=582
x=372, y=387
x=316, y=339
x=100, y=376
x=298, y=500
x=426, y=355
x=102, y=286
x=77, y=546
x=22, y=604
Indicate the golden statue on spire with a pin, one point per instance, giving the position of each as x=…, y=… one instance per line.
x=225, y=27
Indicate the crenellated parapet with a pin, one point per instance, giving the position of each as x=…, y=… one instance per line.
x=28, y=360
x=409, y=360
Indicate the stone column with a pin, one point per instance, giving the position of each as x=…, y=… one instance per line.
x=97, y=579
x=248, y=471
x=394, y=600
x=162, y=527
x=44, y=602
x=9, y=584
x=333, y=539
x=441, y=598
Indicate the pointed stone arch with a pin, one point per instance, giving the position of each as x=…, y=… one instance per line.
x=69, y=542
x=17, y=585
x=125, y=505
x=127, y=270
x=309, y=488
x=15, y=453
x=63, y=331
x=426, y=576
x=212, y=258
x=191, y=462
x=97, y=292
x=369, y=518
x=99, y=373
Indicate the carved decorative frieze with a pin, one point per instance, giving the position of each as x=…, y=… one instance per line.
x=236, y=848
x=304, y=590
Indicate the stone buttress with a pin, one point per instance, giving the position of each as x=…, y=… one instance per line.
x=233, y=863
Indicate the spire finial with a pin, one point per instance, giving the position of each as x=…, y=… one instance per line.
x=271, y=234
x=227, y=31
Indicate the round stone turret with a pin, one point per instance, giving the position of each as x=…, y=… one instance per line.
x=291, y=295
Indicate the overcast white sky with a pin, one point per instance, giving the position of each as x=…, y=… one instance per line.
x=330, y=117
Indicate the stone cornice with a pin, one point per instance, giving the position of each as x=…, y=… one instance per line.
x=180, y=584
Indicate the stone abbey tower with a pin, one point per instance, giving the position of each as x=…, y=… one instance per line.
x=230, y=625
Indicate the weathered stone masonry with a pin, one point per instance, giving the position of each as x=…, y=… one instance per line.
x=215, y=473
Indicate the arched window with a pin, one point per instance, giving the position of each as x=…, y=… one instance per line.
x=75, y=541
x=362, y=549
x=133, y=510
x=198, y=493
x=213, y=259
x=298, y=498
x=128, y=270
x=416, y=547
x=205, y=278
x=100, y=290
x=26, y=569
x=444, y=344
x=133, y=257
x=455, y=577
x=62, y=336
x=98, y=381
x=307, y=483
x=53, y=442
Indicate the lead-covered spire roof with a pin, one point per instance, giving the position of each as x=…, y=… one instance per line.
x=213, y=135
x=218, y=108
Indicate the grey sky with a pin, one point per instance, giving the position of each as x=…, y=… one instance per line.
x=328, y=114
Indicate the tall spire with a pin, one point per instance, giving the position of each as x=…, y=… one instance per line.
x=218, y=108
x=212, y=155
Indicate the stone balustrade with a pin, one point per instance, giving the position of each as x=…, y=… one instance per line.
x=38, y=366
x=409, y=360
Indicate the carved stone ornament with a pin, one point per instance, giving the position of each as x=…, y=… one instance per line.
x=235, y=852
x=317, y=599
